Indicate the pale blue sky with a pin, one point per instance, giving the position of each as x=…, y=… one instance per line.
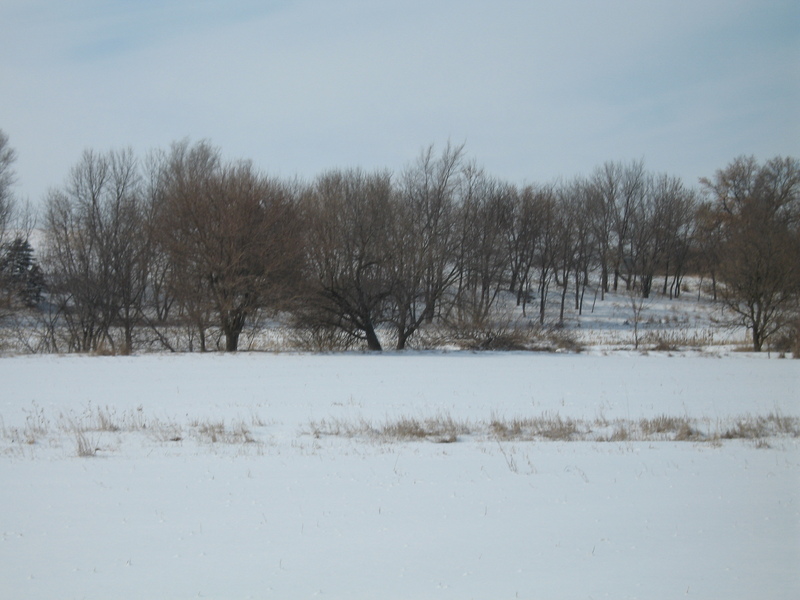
x=537, y=90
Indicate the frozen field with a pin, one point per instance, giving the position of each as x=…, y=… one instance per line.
x=278, y=476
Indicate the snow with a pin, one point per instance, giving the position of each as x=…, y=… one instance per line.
x=294, y=515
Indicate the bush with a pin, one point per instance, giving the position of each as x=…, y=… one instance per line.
x=501, y=334
x=505, y=333
x=788, y=339
x=321, y=338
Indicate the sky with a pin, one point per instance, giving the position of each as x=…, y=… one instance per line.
x=536, y=90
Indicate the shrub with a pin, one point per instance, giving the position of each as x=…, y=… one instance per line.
x=320, y=338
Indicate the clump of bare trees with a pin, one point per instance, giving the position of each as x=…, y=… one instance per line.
x=446, y=242
x=644, y=224
x=182, y=249
x=184, y=237
x=231, y=238
x=754, y=214
x=97, y=251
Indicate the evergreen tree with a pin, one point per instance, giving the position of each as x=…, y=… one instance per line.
x=21, y=278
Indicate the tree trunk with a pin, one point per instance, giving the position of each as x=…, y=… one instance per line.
x=758, y=328
x=563, y=303
x=231, y=340
x=757, y=341
x=373, y=343
x=542, y=302
x=402, y=338
x=603, y=282
x=232, y=325
x=128, y=339
x=404, y=333
x=647, y=285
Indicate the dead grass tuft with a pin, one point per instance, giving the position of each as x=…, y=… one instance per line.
x=341, y=428
x=84, y=447
x=105, y=420
x=442, y=429
x=216, y=432
x=752, y=427
x=687, y=433
x=546, y=426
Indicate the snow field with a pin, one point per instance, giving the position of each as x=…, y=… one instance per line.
x=291, y=515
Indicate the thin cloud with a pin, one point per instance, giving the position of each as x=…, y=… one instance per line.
x=537, y=90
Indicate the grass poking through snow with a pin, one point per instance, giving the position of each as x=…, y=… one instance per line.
x=103, y=424
x=554, y=427
x=88, y=430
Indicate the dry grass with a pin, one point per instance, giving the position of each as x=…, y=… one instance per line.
x=165, y=431
x=87, y=427
x=752, y=427
x=680, y=429
x=678, y=339
x=84, y=447
x=215, y=432
x=37, y=425
x=546, y=426
x=340, y=428
x=105, y=418
x=554, y=427
x=501, y=332
x=441, y=429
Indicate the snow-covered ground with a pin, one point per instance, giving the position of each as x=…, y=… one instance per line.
x=220, y=476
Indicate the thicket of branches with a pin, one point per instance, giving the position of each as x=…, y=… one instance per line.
x=182, y=245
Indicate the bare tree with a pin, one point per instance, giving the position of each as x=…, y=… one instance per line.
x=485, y=214
x=523, y=237
x=128, y=245
x=568, y=241
x=231, y=236
x=519, y=240
x=423, y=239
x=633, y=195
x=7, y=179
x=707, y=240
x=638, y=304
x=181, y=177
x=546, y=248
x=652, y=229
x=349, y=216
x=600, y=211
x=585, y=258
x=160, y=297
x=618, y=189
x=678, y=220
x=95, y=249
x=758, y=208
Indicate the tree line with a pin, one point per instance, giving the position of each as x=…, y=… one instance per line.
x=183, y=238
